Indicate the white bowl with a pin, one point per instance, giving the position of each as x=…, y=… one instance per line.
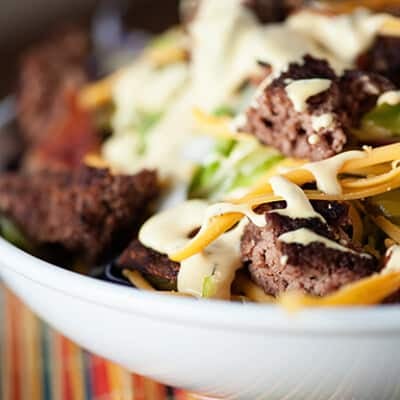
x=217, y=348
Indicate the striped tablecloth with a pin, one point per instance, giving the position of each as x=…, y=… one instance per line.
x=38, y=363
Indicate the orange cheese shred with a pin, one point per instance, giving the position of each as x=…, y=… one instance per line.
x=263, y=194
x=368, y=291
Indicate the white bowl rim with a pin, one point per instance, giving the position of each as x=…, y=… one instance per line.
x=251, y=318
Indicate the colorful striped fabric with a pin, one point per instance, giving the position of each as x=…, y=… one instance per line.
x=37, y=363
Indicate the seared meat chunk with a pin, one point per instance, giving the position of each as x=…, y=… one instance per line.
x=324, y=127
x=155, y=266
x=275, y=121
x=272, y=10
x=266, y=10
x=58, y=134
x=11, y=148
x=70, y=138
x=360, y=91
x=315, y=268
x=83, y=211
x=48, y=71
x=383, y=57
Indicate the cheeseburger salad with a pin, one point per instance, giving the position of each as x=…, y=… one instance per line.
x=251, y=153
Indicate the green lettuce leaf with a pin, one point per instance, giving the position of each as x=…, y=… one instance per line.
x=381, y=122
x=224, y=111
x=233, y=165
x=146, y=122
x=209, y=287
x=10, y=232
x=388, y=204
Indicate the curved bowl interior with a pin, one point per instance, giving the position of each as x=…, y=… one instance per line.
x=244, y=351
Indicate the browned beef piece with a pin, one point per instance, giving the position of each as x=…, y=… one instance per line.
x=50, y=69
x=84, y=211
x=70, y=137
x=275, y=122
x=272, y=10
x=265, y=10
x=316, y=269
x=11, y=148
x=383, y=57
x=149, y=262
x=360, y=91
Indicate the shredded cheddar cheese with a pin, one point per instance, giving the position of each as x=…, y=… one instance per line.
x=253, y=292
x=97, y=94
x=347, y=6
x=392, y=230
x=137, y=280
x=219, y=127
x=263, y=194
x=367, y=291
x=160, y=57
x=391, y=27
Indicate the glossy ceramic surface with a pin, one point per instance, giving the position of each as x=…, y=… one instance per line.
x=223, y=349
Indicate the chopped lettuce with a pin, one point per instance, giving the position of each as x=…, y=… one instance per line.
x=161, y=283
x=225, y=147
x=232, y=166
x=146, y=121
x=383, y=121
x=209, y=287
x=224, y=111
x=12, y=234
x=171, y=37
x=388, y=204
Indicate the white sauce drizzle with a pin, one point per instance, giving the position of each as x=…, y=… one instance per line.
x=392, y=97
x=344, y=36
x=297, y=203
x=323, y=121
x=301, y=90
x=305, y=237
x=245, y=209
x=220, y=260
x=169, y=231
x=393, y=264
x=238, y=122
x=313, y=139
x=227, y=42
x=141, y=87
x=220, y=61
x=326, y=171
x=167, y=139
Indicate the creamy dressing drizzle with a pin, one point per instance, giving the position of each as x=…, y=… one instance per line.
x=169, y=230
x=297, y=203
x=326, y=171
x=322, y=121
x=313, y=139
x=220, y=260
x=226, y=43
x=393, y=264
x=392, y=97
x=168, y=139
x=245, y=209
x=301, y=90
x=143, y=89
x=344, y=36
x=305, y=237
x=238, y=122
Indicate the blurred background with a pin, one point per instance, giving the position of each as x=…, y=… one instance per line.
x=24, y=22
